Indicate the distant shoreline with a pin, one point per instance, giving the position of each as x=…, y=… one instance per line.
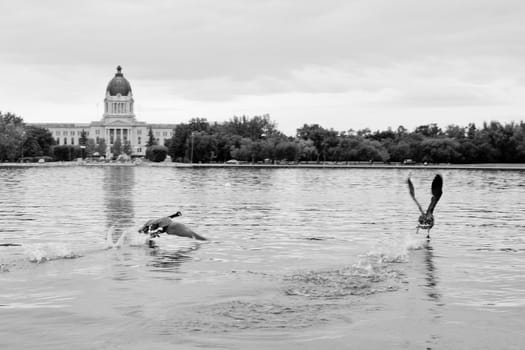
x=356, y=165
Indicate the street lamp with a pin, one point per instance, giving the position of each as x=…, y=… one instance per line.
x=23, y=140
x=192, y=134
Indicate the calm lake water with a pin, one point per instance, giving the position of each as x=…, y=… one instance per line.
x=296, y=259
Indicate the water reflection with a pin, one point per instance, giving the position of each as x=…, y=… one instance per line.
x=165, y=260
x=430, y=275
x=119, y=185
x=432, y=292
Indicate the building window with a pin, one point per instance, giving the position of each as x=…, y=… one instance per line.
x=58, y=140
x=157, y=133
x=72, y=140
x=72, y=133
x=97, y=132
x=164, y=133
x=139, y=132
x=65, y=140
x=139, y=140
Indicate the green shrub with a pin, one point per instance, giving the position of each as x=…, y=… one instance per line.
x=156, y=153
x=66, y=152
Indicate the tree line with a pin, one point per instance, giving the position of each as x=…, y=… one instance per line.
x=257, y=139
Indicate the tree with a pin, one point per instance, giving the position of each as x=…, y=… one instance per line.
x=400, y=151
x=287, y=150
x=11, y=137
x=38, y=142
x=178, y=144
x=83, y=138
x=318, y=135
x=117, y=147
x=204, y=146
x=372, y=150
x=156, y=153
x=243, y=151
x=31, y=148
x=66, y=152
x=127, y=148
x=257, y=138
x=101, y=148
x=255, y=128
x=199, y=124
x=440, y=150
x=90, y=147
x=308, y=152
x=151, y=138
x=455, y=131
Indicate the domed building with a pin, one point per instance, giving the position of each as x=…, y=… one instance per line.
x=118, y=122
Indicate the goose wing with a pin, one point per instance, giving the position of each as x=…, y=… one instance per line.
x=437, y=191
x=413, y=195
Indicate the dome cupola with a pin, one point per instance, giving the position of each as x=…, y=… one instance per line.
x=119, y=84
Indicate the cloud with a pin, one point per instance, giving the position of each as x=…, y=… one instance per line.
x=348, y=56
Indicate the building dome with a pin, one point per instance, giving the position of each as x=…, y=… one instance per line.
x=119, y=84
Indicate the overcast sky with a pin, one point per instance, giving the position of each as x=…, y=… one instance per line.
x=342, y=64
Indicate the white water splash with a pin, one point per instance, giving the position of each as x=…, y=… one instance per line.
x=396, y=248
x=39, y=253
x=126, y=237
x=136, y=239
x=374, y=272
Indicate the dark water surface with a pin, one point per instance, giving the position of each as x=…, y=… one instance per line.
x=296, y=258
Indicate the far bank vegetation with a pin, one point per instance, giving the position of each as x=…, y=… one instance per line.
x=256, y=139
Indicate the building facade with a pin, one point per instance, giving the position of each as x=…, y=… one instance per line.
x=118, y=122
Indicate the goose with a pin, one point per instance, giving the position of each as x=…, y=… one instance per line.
x=166, y=225
x=426, y=219
x=158, y=224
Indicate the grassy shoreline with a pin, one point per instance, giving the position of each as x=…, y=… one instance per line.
x=485, y=166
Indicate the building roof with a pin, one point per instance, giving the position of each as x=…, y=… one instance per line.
x=100, y=124
x=119, y=84
x=61, y=125
x=161, y=126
